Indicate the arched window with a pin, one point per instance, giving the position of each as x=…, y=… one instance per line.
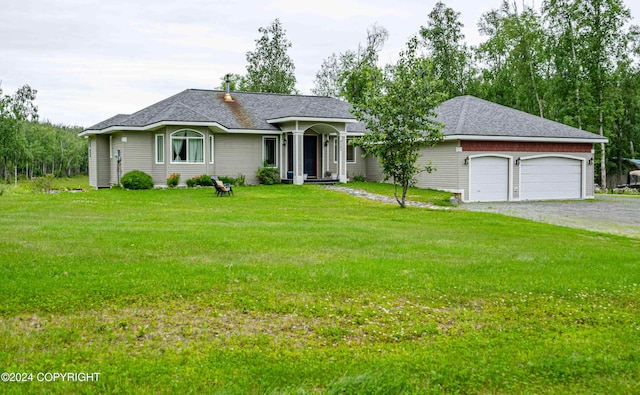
x=187, y=146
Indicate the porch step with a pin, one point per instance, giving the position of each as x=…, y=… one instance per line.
x=313, y=181
x=321, y=181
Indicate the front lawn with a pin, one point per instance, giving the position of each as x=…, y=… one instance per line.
x=298, y=289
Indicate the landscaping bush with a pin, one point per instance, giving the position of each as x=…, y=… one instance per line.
x=205, y=181
x=227, y=180
x=359, y=178
x=137, y=179
x=268, y=175
x=173, y=180
x=192, y=182
x=240, y=180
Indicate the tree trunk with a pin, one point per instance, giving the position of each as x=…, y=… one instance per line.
x=405, y=187
x=603, y=162
x=400, y=200
x=574, y=58
x=535, y=89
x=5, y=174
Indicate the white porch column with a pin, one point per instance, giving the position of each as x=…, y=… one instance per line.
x=342, y=156
x=283, y=156
x=298, y=139
x=325, y=154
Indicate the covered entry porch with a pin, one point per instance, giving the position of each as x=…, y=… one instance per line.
x=314, y=151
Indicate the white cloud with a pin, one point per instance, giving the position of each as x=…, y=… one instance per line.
x=337, y=9
x=187, y=35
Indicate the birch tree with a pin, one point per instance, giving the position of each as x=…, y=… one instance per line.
x=444, y=41
x=14, y=112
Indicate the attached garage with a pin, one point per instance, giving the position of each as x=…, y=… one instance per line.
x=488, y=179
x=493, y=153
x=551, y=177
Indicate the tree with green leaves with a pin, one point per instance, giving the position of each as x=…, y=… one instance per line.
x=590, y=50
x=237, y=82
x=53, y=149
x=444, y=41
x=605, y=42
x=14, y=112
x=567, y=84
x=514, y=57
x=346, y=75
x=269, y=68
x=398, y=108
x=361, y=66
x=327, y=82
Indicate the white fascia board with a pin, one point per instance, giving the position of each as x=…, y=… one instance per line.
x=527, y=139
x=310, y=119
x=174, y=123
x=349, y=134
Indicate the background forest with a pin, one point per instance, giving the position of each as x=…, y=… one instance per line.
x=571, y=61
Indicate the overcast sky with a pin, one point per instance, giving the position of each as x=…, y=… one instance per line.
x=92, y=59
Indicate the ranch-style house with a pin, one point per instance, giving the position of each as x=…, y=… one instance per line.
x=490, y=152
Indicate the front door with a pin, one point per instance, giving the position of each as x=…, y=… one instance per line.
x=310, y=153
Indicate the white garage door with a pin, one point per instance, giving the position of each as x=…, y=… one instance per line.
x=488, y=179
x=550, y=178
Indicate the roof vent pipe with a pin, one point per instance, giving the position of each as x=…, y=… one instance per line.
x=227, y=95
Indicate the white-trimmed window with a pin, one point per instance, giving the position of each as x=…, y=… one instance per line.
x=270, y=151
x=211, y=145
x=159, y=149
x=187, y=146
x=351, y=150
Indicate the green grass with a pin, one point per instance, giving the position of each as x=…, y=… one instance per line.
x=288, y=289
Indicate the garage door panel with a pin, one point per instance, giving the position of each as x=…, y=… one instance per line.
x=488, y=179
x=550, y=178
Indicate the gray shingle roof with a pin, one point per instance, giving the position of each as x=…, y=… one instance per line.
x=246, y=111
x=463, y=116
x=468, y=116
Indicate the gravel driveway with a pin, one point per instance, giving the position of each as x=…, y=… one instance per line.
x=616, y=214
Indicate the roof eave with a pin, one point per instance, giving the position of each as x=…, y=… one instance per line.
x=160, y=124
x=595, y=140
x=310, y=119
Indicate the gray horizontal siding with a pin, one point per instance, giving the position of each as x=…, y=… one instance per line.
x=238, y=154
x=101, y=154
x=444, y=159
